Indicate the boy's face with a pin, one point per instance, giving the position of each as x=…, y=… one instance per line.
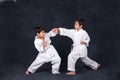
x=41, y=34
x=77, y=25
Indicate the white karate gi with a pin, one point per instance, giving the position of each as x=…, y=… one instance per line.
x=79, y=50
x=47, y=54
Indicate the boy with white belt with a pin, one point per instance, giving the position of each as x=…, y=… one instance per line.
x=47, y=53
x=80, y=42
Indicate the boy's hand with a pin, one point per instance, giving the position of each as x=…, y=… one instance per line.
x=82, y=42
x=55, y=30
x=44, y=43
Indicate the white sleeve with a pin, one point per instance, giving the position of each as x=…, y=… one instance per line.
x=39, y=47
x=86, y=38
x=66, y=32
x=51, y=34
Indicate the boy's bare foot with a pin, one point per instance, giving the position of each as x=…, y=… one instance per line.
x=57, y=72
x=71, y=73
x=27, y=72
x=97, y=67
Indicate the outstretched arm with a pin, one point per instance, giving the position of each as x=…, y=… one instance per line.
x=53, y=32
x=66, y=32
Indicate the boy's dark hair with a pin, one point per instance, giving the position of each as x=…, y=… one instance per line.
x=38, y=29
x=81, y=21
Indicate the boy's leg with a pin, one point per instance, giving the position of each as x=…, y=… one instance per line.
x=39, y=61
x=56, y=61
x=72, y=58
x=94, y=65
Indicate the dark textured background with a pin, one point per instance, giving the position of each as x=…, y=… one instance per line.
x=17, y=51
